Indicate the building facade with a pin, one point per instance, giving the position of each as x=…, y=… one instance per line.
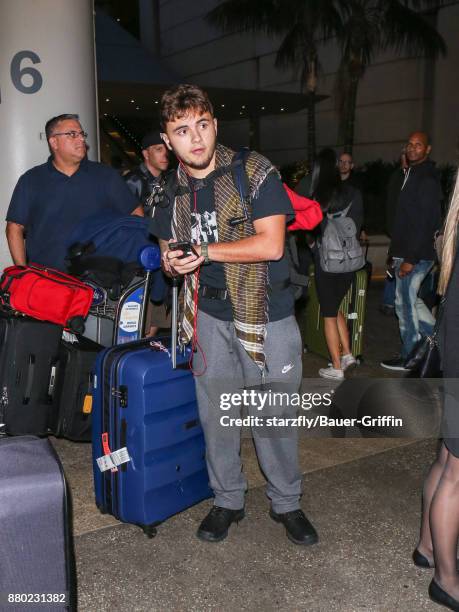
x=398, y=93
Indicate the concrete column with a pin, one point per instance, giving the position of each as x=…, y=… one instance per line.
x=47, y=67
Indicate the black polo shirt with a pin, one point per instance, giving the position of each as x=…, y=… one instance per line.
x=50, y=204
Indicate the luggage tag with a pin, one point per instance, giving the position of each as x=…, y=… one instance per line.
x=87, y=404
x=159, y=346
x=111, y=460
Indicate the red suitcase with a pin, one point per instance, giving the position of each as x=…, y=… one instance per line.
x=46, y=294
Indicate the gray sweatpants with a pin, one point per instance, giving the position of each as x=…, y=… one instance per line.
x=228, y=371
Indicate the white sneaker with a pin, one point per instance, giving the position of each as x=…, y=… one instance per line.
x=347, y=361
x=332, y=373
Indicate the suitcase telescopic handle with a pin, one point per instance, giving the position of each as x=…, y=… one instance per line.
x=175, y=285
x=144, y=305
x=29, y=380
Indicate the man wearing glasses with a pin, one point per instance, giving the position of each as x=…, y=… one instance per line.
x=51, y=199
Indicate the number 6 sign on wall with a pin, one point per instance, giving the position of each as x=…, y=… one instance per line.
x=24, y=85
x=17, y=72
x=47, y=67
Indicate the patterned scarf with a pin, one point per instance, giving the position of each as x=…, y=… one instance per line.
x=246, y=283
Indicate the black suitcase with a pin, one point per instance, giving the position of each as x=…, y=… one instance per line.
x=75, y=388
x=36, y=553
x=29, y=359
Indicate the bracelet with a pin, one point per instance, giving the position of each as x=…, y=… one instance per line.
x=205, y=252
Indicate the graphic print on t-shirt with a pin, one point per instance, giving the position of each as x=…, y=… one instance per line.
x=204, y=227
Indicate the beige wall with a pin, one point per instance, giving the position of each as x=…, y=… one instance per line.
x=398, y=94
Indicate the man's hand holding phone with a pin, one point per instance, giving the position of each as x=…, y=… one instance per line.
x=182, y=257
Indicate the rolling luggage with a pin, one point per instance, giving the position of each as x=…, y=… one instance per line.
x=46, y=294
x=29, y=360
x=353, y=308
x=77, y=361
x=36, y=555
x=148, y=445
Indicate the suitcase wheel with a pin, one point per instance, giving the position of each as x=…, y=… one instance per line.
x=305, y=348
x=149, y=530
x=359, y=359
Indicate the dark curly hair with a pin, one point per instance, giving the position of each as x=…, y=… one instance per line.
x=180, y=100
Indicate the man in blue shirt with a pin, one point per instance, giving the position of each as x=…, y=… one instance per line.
x=51, y=199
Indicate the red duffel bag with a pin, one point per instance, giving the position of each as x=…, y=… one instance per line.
x=46, y=294
x=308, y=213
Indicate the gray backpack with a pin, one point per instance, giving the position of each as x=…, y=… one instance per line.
x=339, y=247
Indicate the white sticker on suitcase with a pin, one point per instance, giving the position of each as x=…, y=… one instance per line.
x=120, y=456
x=105, y=463
x=113, y=460
x=130, y=317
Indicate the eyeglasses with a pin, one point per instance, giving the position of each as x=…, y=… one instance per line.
x=73, y=134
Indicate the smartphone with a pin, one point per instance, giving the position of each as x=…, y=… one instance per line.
x=186, y=247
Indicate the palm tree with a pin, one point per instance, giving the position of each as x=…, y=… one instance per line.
x=372, y=26
x=300, y=23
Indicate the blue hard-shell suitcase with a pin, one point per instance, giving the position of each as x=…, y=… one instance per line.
x=146, y=435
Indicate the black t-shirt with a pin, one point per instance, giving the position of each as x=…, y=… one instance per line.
x=271, y=200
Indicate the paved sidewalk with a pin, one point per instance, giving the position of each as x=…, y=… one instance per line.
x=362, y=494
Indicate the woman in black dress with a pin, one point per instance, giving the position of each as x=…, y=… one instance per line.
x=440, y=518
x=334, y=196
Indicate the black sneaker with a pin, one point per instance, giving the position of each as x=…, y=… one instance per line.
x=395, y=364
x=214, y=528
x=299, y=529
